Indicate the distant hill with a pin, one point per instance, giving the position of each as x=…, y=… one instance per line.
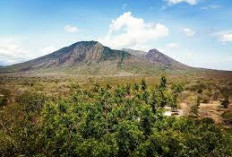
x=154, y=56
x=91, y=57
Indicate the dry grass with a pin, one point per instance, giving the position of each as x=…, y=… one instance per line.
x=212, y=110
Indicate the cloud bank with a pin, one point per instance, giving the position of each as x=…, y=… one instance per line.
x=12, y=51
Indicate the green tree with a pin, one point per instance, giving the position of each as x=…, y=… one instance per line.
x=143, y=85
x=163, y=82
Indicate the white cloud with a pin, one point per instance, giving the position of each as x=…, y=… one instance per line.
x=71, y=29
x=189, y=32
x=227, y=37
x=129, y=31
x=173, y=2
x=224, y=36
x=12, y=51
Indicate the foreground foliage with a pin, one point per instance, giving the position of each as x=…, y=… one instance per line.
x=108, y=121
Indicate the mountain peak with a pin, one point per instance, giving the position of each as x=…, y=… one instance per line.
x=91, y=42
x=154, y=51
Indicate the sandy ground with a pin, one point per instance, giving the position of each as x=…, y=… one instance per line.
x=212, y=110
x=170, y=112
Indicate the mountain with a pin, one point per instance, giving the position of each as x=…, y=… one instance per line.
x=154, y=56
x=91, y=57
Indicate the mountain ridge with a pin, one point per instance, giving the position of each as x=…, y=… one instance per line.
x=93, y=55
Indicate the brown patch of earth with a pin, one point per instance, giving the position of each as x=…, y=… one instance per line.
x=207, y=110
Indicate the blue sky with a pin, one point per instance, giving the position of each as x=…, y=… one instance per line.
x=195, y=32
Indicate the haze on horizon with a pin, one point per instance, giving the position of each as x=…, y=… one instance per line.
x=195, y=32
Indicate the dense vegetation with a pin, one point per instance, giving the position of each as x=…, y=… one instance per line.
x=123, y=120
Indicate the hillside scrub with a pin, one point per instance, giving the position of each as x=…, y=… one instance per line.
x=124, y=120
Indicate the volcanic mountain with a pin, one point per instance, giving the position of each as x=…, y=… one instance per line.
x=91, y=57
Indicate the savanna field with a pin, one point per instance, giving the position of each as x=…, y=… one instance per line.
x=163, y=115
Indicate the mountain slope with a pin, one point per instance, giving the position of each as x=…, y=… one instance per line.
x=91, y=57
x=154, y=56
x=77, y=53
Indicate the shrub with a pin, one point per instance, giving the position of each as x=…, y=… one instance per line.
x=227, y=117
x=4, y=97
x=225, y=103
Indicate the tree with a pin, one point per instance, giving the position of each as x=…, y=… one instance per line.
x=136, y=87
x=147, y=122
x=226, y=92
x=128, y=137
x=153, y=102
x=163, y=82
x=143, y=85
x=145, y=97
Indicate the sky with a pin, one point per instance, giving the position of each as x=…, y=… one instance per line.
x=195, y=32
